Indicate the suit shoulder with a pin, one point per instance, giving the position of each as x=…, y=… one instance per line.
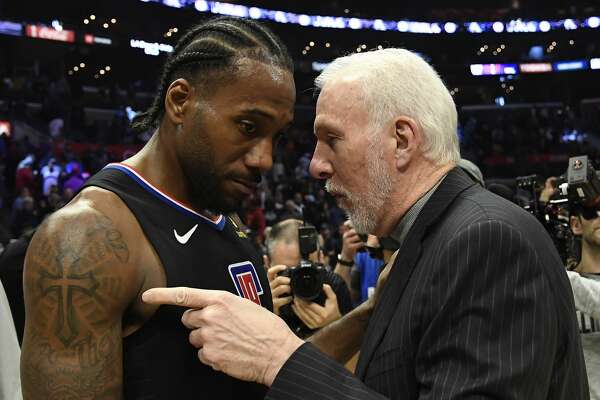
x=478, y=204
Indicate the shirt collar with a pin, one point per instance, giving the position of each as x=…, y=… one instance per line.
x=407, y=221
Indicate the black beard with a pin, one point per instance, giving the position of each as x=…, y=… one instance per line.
x=206, y=192
x=204, y=182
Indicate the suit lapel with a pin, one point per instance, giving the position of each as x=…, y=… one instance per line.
x=453, y=184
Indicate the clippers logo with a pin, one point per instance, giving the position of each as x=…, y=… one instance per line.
x=246, y=281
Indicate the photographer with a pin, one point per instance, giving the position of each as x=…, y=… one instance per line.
x=301, y=315
x=585, y=282
x=361, y=261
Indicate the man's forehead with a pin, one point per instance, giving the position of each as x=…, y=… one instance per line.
x=339, y=101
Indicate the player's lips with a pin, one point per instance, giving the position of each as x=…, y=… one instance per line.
x=246, y=186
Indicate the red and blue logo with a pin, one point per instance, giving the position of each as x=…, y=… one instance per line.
x=246, y=281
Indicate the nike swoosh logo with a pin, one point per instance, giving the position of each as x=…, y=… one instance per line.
x=184, y=239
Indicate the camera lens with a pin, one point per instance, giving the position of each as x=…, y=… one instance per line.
x=306, y=283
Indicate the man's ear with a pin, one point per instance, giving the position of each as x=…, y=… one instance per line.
x=266, y=262
x=576, y=227
x=177, y=100
x=408, y=139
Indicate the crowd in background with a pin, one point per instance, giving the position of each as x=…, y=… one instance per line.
x=55, y=147
x=38, y=177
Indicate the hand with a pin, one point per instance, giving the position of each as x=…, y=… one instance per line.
x=549, y=189
x=233, y=334
x=351, y=242
x=280, y=286
x=314, y=315
x=383, y=275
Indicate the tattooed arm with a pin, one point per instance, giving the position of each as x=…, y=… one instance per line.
x=79, y=278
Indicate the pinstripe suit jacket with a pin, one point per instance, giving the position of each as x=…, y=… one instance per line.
x=477, y=306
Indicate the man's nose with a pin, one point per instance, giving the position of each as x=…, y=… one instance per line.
x=320, y=166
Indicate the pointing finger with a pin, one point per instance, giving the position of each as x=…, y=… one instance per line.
x=181, y=296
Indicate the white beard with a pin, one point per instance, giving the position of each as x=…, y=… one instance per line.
x=365, y=208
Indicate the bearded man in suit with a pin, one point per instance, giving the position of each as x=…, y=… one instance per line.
x=477, y=303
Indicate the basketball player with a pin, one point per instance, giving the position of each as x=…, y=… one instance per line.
x=159, y=219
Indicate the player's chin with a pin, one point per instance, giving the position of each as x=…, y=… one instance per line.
x=233, y=199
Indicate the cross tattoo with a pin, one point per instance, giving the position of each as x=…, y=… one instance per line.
x=64, y=284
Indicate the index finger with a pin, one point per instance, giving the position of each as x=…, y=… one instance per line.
x=274, y=270
x=181, y=296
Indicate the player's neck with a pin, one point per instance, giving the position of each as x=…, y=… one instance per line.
x=590, y=259
x=158, y=163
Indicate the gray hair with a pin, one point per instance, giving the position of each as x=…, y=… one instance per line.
x=399, y=82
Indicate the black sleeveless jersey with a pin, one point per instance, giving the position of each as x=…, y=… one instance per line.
x=195, y=251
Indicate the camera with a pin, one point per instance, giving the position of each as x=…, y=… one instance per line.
x=578, y=190
x=306, y=278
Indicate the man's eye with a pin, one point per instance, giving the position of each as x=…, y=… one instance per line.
x=248, y=127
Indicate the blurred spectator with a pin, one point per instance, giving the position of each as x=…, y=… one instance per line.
x=26, y=218
x=50, y=176
x=75, y=181
x=24, y=177
x=255, y=218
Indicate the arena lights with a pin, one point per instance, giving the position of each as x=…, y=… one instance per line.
x=533, y=68
x=570, y=65
x=319, y=21
x=44, y=32
x=11, y=28
x=5, y=128
x=493, y=69
x=91, y=39
x=152, y=49
x=319, y=66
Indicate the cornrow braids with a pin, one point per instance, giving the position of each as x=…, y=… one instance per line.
x=212, y=47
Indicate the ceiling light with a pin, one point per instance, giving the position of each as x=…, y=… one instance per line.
x=105, y=25
x=311, y=44
x=92, y=17
x=327, y=44
x=113, y=21
x=82, y=65
x=101, y=72
x=304, y=52
x=76, y=68
x=107, y=68
x=86, y=21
